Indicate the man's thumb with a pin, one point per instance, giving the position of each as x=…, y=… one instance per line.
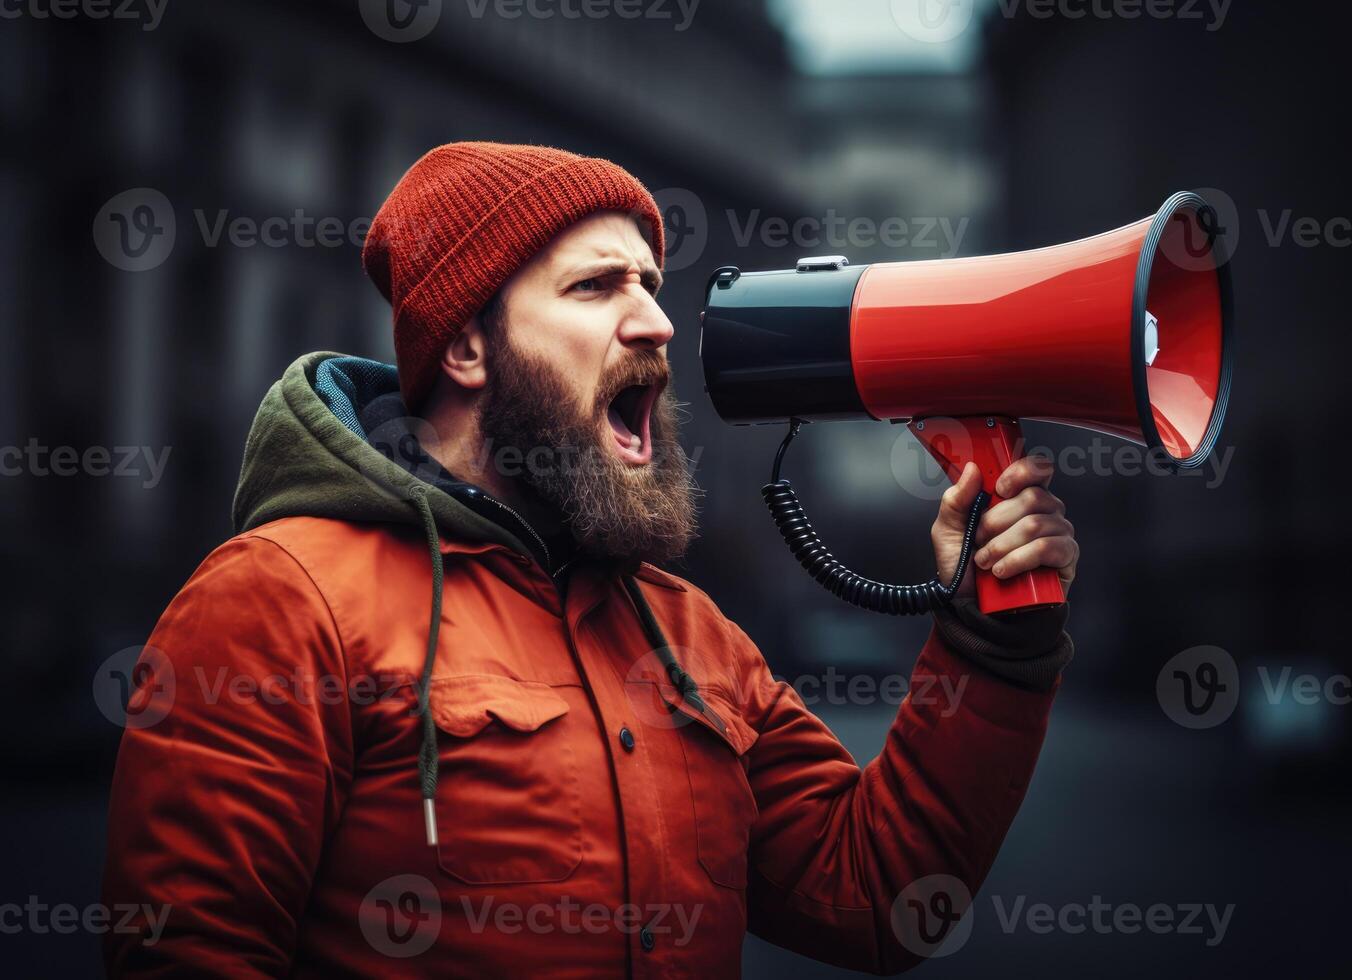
x=958, y=499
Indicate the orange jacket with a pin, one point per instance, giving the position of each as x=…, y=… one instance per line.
x=596, y=813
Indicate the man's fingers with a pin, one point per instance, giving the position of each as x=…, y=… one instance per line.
x=1007, y=513
x=1028, y=528
x=958, y=499
x=1030, y=471
x=1041, y=543
x=1058, y=553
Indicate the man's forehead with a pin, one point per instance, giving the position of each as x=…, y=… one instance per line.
x=605, y=235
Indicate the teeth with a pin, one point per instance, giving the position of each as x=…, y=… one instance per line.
x=635, y=443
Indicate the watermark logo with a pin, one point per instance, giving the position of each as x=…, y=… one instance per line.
x=651, y=688
x=401, y=916
x=400, y=21
x=135, y=687
x=916, y=470
x=1199, y=688
x=135, y=230
x=411, y=443
x=933, y=21
x=687, y=226
x=652, y=691
x=1212, y=236
x=1202, y=240
x=918, y=473
x=942, y=21
x=929, y=917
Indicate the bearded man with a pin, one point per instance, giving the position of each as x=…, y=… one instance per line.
x=437, y=711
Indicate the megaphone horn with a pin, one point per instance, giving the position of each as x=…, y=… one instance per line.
x=1127, y=333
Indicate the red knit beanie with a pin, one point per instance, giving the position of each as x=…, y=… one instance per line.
x=463, y=219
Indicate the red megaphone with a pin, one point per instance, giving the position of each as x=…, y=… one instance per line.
x=1127, y=333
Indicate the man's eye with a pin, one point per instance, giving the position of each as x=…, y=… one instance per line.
x=588, y=285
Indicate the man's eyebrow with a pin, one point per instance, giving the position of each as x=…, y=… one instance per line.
x=648, y=274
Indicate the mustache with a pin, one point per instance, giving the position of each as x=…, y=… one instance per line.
x=645, y=367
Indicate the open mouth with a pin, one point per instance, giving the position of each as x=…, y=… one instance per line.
x=630, y=414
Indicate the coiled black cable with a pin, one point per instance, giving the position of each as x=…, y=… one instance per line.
x=807, y=547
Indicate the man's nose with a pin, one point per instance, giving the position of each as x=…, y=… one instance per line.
x=646, y=325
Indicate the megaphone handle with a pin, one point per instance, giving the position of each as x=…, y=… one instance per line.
x=992, y=442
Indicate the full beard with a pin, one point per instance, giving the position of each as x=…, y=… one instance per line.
x=613, y=509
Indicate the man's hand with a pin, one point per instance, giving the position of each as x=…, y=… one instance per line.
x=1026, y=530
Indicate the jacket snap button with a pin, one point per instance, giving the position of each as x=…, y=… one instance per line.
x=627, y=739
x=647, y=939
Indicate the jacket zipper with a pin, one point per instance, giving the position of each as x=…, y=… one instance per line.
x=562, y=568
x=549, y=559
x=523, y=522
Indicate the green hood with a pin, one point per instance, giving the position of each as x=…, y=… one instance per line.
x=303, y=459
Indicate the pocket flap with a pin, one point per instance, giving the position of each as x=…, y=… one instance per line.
x=464, y=704
x=737, y=732
x=720, y=716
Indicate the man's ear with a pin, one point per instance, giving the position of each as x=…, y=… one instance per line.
x=464, y=360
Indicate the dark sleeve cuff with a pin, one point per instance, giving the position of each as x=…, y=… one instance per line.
x=1028, y=649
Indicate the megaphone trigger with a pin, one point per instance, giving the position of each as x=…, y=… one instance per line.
x=992, y=443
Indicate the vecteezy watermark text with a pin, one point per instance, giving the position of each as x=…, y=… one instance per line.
x=941, y=235
x=1200, y=687
x=571, y=917
x=941, y=21
x=402, y=917
x=1126, y=918
x=63, y=918
x=687, y=223
x=138, y=686
x=298, y=229
x=682, y=12
x=35, y=459
x=918, y=474
x=148, y=13
x=1211, y=12
x=835, y=687
x=933, y=917
x=403, y=21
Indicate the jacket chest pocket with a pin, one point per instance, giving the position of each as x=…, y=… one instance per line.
x=725, y=806
x=509, y=809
